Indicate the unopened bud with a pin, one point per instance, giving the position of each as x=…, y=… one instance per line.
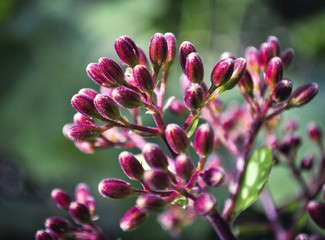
x=127, y=51
x=302, y=236
x=282, y=90
x=307, y=162
x=204, y=140
x=84, y=132
x=225, y=55
x=158, y=49
x=44, y=235
x=222, y=72
x=177, y=107
x=274, y=44
x=155, y=156
x=57, y=225
x=194, y=68
x=238, y=72
x=115, y=188
x=112, y=70
x=193, y=96
x=171, y=47
x=303, y=95
x=316, y=211
x=126, y=97
x=213, y=176
x=82, y=193
x=132, y=219
x=79, y=213
x=61, y=198
x=205, y=204
x=95, y=72
x=130, y=165
x=80, y=119
x=274, y=72
x=184, y=167
x=177, y=138
x=84, y=104
x=251, y=55
x=315, y=132
x=246, y=84
x=143, y=79
x=150, y=203
x=287, y=57
x=107, y=107
x=143, y=58
x=184, y=50
x=88, y=92
x=157, y=179
x=265, y=55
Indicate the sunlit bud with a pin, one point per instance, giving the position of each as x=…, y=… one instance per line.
x=158, y=49
x=84, y=104
x=246, y=84
x=143, y=79
x=171, y=47
x=194, y=68
x=251, y=55
x=287, y=57
x=184, y=167
x=112, y=70
x=95, y=72
x=177, y=107
x=57, y=225
x=282, y=90
x=107, y=107
x=130, y=165
x=303, y=95
x=302, y=236
x=316, y=211
x=150, y=203
x=157, y=179
x=61, y=198
x=88, y=92
x=222, y=72
x=238, y=72
x=115, y=188
x=274, y=72
x=184, y=50
x=307, y=162
x=82, y=193
x=315, y=132
x=225, y=55
x=83, y=132
x=155, y=156
x=126, y=97
x=79, y=118
x=274, y=44
x=44, y=235
x=177, y=138
x=193, y=96
x=204, y=140
x=85, y=147
x=79, y=213
x=213, y=176
x=264, y=56
x=132, y=219
x=127, y=51
x=205, y=204
x=143, y=58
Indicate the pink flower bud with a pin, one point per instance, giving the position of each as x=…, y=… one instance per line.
x=61, y=198
x=143, y=79
x=132, y=219
x=194, y=68
x=150, y=203
x=307, y=162
x=82, y=193
x=155, y=156
x=184, y=167
x=79, y=213
x=274, y=72
x=157, y=179
x=158, y=49
x=57, y=225
x=88, y=92
x=205, y=204
x=84, y=104
x=316, y=211
x=287, y=57
x=302, y=237
x=303, y=95
x=130, y=165
x=112, y=70
x=193, y=96
x=282, y=90
x=177, y=107
x=225, y=55
x=171, y=47
x=264, y=56
x=84, y=132
x=177, y=138
x=143, y=58
x=251, y=55
x=126, y=97
x=315, y=132
x=107, y=107
x=246, y=84
x=213, y=176
x=204, y=140
x=95, y=72
x=115, y=188
x=80, y=119
x=274, y=44
x=184, y=50
x=44, y=235
x=238, y=72
x=222, y=72
x=127, y=51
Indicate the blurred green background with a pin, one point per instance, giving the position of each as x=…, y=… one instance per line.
x=45, y=46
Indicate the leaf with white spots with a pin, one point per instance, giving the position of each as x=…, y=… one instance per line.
x=254, y=179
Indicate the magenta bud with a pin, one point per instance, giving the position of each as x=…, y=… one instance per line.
x=155, y=156
x=115, y=188
x=238, y=72
x=251, y=55
x=157, y=179
x=194, y=68
x=158, y=49
x=84, y=104
x=193, y=96
x=184, y=167
x=205, y=204
x=88, y=92
x=132, y=219
x=184, y=50
x=287, y=57
x=150, y=203
x=274, y=44
x=315, y=132
x=274, y=72
x=127, y=51
x=107, y=107
x=222, y=72
x=265, y=55
x=130, y=165
x=171, y=47
x=303, y=95
x=282, y=90
x=143, y=58
x=178, y=108
x=82, y=193
x=177, y=138
x=44, y=235
x=85, y=147
x=112, y=70
x=204, y=140
x=80, y=119
x=213, y=177
x=57, y=225
x=126, y=97
x=316, y=211
x=302, y=236
x=95, y=72
x=225, y=55
x=79, y=213
x=61, y=198
x=246, y=84
x=307, y=162
x=84, y=132
x=143, y=79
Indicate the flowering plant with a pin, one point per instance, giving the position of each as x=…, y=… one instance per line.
x=176, y=177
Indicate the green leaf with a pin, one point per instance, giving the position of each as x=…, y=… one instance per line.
x=193, y=128
x=255, y=177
